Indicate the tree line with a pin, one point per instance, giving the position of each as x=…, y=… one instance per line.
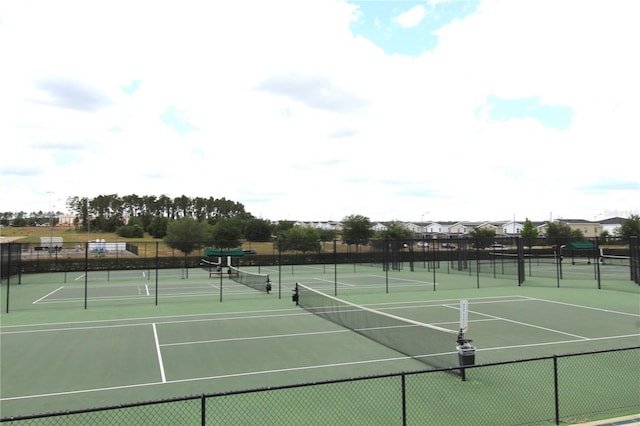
x=226, y=222
x=108, y=212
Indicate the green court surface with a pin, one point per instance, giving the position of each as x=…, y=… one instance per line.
x=72, y=341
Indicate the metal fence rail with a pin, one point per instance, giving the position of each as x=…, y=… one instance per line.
x=557, y=389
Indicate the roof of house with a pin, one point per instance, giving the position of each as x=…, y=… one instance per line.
x=612, y=221
x=575, y=221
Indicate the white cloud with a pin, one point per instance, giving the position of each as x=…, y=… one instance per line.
x=269, y=86
x=411, y=17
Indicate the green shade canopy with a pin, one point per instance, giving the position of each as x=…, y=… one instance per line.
x=236, y=252
x=581, y=245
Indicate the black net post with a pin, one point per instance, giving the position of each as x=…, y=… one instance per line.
x=634, y=259
x=335, y=267
x=157, y=266
x=596, y=256
x=86, y=273
x=521, y=265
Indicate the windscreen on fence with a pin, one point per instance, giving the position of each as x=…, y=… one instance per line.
x=10, y=260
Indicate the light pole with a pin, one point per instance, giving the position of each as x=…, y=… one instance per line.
x=88, y=225
x=50, y=223
x=422, y=223
x=595, y=226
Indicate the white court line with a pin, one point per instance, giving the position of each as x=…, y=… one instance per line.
x=160, y=363
x=334, y=282
x=47, y=295
x=81, y=276
x=531, y=345
x=146, y=286
x=271, y=336
x=526, y=324
x=442, y=302
x=586, y=307
x=404, y=279
x=197, y=379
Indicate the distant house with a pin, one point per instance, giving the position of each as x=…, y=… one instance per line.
x=321, y=224
x=611, y=225
x=435, y=228
x=66, y=220
x=509, y=228
x=589, y=229
x=464, y=228
x=413, y=227
x=495, y=227
x=541, y=226
x=379, y=226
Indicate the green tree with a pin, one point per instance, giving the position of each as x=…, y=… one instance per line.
x=529, y=234
x=560, y=233
x=328, y=234
x=164, y=206
x=630, y=227
x=258, y=230
x=482, y=237
x=186, y=234
x=130, y=231
x=227, y=233
x=108, y=211
x=158, y=227
x=225, y=209
x=396, y=231
x=300, y=238
x=281, y=226
x=132, y=205
x=20, y=221
x=356, y=229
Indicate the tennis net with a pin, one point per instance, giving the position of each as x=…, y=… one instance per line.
x=608, y=259
x=433, y=345
x=259, y=282
x=211, y=267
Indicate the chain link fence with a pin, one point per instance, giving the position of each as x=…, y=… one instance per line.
x=566, y=389
x=576, y=263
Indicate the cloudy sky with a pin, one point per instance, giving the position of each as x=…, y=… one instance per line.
x=318, y=109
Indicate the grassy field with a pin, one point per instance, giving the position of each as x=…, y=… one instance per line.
x=32, y=235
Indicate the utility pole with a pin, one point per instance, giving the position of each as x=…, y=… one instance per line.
x=50, y=223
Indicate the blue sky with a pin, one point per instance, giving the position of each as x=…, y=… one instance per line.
x=315, y=110
x=553, y=116
x=407, y=27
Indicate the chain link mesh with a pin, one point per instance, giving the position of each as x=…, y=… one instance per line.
x=590, y=386
x=377, y=400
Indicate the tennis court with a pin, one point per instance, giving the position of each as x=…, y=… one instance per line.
x=72, y=342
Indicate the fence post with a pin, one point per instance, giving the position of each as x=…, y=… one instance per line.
x=86, y=273
x=203, y=410
x=596, y=256
x=403, y=382
x=157, y=266
x=555, y=389
x=8, y=273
